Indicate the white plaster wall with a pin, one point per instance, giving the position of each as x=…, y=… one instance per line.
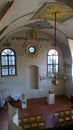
x=69, y=70
x=19, y=84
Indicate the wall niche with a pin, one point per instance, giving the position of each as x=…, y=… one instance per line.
x=33, y=77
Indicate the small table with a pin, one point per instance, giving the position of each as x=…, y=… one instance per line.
x=51, y=98
x=24, y=103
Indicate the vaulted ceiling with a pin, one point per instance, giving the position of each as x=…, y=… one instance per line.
x=16, y=15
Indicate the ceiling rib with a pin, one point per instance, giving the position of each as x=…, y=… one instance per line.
x=5, y=9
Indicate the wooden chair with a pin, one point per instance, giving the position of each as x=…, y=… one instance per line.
x=71, y=118
x=27, y=126
x=67, y=112
x=71, y=111
x=34, y=125
x=56, y=114
x=67, y=119
x=61, y=121
x=32, y=119
x=41, y=124
x=25, y=119
x=21, y=127
x=62, y=113
x=38, y=117
x=20, y=122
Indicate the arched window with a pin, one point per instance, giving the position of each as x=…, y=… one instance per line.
x=52, y=61
x=8, y=62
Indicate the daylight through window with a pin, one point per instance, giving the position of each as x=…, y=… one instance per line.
x=8, y=62
x=52, y=61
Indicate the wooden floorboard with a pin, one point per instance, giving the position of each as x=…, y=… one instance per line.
x=36, y=107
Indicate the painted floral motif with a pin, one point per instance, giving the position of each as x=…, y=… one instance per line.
x=49, y=8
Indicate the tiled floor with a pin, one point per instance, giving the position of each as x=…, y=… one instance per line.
x=37, y=106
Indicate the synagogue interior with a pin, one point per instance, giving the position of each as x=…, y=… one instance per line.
x=36, y=64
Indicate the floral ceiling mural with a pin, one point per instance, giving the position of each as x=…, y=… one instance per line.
x=47, y=11
x=40, y=25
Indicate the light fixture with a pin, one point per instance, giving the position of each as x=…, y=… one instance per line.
x=54, y=79
x=54, y=74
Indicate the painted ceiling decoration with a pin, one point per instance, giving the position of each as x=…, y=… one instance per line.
x=5, y=8
x=31, y=46
x=47, y=11
x=32, y=49
x=15, y=17
x=40, y=25
x=24, y=38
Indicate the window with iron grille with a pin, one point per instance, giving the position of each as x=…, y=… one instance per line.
x=52, y=61
x=8, y=62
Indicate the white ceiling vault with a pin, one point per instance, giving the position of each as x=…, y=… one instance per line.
x=16, y=15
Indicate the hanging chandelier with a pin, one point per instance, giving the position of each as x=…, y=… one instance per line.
x=54, y=79
x=56, y=75
x=53, y=75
